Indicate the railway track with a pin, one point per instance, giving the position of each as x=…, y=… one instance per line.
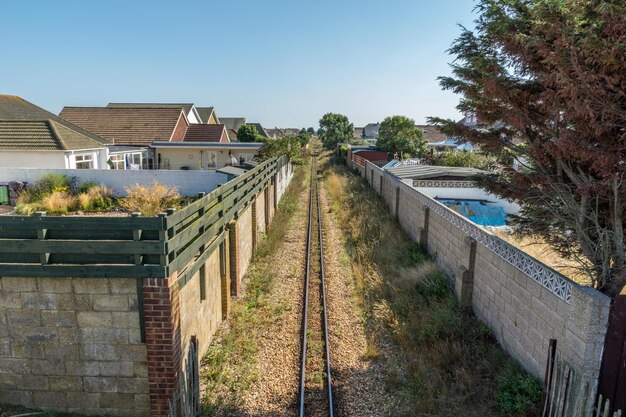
x=316, y=393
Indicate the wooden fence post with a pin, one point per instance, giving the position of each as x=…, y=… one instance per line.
x=42, y=234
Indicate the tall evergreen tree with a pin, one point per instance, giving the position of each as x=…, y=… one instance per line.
x=547, y=79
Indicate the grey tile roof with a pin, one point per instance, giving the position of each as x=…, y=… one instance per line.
x=432, y=171
x=233, y=122
x=41, y=135
x=16, y=108
x=205, y=113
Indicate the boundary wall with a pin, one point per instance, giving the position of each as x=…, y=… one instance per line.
x=126, y=340
x=524, y=302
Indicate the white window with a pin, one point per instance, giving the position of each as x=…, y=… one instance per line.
x=84, y=161
x=118, y=161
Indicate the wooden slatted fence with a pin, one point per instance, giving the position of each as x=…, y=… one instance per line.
x=129, y=247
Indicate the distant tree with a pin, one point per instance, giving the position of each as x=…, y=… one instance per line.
x=334, y=129
x=249, y=133
x=398, y=134
x=286, y=145
x=551, y=75
x=304, y=136
x=311, y=130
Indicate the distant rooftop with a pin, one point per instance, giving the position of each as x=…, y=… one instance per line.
x=431, y=171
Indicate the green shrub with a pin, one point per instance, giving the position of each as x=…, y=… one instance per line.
x=453, y=158
x=434, y=287
x=416, y=255
x=518, y=392
x=97, y=197
x=45, y=186
x=86, y=186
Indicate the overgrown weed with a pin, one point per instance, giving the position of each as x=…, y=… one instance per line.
x=451, y=364
x=229, y=365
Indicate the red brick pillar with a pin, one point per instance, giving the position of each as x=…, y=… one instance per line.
x=162, y=322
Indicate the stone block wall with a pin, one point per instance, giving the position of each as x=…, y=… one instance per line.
x=524, y=302
x=73, y=344
x=244, y=236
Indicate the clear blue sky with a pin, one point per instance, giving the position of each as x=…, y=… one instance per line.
x=282, y=63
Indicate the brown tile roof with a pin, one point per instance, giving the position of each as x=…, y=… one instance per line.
x=205, y=133
x=41, y=135
x=432, y=134
x=14, y=108
x=124, y=125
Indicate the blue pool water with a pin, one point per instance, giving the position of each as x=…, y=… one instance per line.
x=479, y=212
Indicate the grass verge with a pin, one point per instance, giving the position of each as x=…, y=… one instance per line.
x=228, y=366
x=450, y=364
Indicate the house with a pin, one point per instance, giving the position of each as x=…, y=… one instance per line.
x=260, y=129
x=232, y=125
x=203, y=155
x=31, y=137
x=358, y=133
x=282, y=132
x=432, y=134
x=206, y=133
x=130, y=130
x=371, y=131
x=193, y=114
x=208, y=116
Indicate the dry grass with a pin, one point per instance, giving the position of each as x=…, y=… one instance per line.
x=60, y=202
x=451, y=364
x=537, y=248
x=229, y=367
x=150, y=200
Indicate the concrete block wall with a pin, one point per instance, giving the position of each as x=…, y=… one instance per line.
x=73, y=345
x=523, y=309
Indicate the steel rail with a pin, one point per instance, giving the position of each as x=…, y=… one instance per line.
x=326, y=347
x=314, y=184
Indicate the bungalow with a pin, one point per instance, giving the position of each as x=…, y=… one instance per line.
x=371, y=131
x=31, y=137
x=193, y=114
x=130, y=130
x=232, y=125
x=191, y=154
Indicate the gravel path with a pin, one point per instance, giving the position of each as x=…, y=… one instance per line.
x=278, y=357
x=359, y=382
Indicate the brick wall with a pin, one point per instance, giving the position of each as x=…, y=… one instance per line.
x=72, y=344
x=524, y=310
